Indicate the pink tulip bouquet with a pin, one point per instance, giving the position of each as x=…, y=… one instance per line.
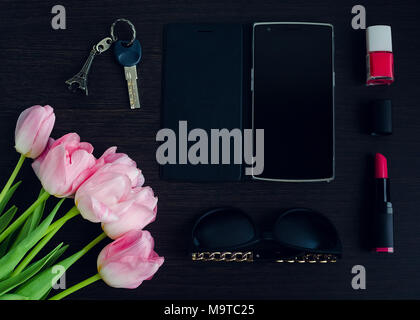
x=109, y=190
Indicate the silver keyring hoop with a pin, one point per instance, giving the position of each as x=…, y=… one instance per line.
x=133, y=30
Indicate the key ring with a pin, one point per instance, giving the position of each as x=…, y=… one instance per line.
x=103, y=45
x=133, y=30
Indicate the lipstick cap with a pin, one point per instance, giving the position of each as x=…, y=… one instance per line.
x=378, y=38
x=381, y=118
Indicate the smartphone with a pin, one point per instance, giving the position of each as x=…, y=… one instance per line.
x=292, y=83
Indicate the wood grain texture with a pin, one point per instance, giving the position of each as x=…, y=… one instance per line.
x=36, y=60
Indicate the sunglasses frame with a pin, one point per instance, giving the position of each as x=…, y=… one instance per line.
x=256, y=248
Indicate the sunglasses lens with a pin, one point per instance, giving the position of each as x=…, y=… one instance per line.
x=222, y=229
x=307, y=229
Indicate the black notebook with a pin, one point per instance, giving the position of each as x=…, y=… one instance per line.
x=202, y=88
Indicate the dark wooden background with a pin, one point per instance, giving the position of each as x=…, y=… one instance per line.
x=36, y=60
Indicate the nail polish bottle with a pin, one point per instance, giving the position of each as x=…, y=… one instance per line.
x=379, y=59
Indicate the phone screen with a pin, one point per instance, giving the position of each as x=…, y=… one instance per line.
x=293, y=99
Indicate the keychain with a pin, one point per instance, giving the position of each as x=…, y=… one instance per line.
x=127, y=53
x=80, y=79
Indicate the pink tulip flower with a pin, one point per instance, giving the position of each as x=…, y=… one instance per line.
x=108, y=196
x=140, y=213
x=122, y=163
x=129, y=260
x=102, y=197
x=64, y=165
x=33, y=129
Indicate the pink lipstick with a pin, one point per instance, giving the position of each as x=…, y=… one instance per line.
x=381, y=167
x=383, y=220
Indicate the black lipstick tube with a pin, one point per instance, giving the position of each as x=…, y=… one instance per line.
x=383, y=221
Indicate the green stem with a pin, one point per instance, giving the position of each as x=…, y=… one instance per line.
x=76, y=256
x=93, y=243
x=72, y=259
x=48, y=235
x=70, y=214
x=12, y=177
x=86, y=249
x=76, y=287
x=23, y=216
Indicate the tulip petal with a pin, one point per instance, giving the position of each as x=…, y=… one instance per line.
x=120, y=275
x=86, y=146
x=144, y=196
x=68, y=138
x=53, y=171
x=23, y=116
x=24, y=126
x=41, y=139
x=135, y=218
x=33, y=128
x=79, y=168
x=37, y=162
x=129, y=260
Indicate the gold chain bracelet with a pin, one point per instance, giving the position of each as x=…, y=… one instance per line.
x=312, y=258
x=248, y=257
x=223, y=256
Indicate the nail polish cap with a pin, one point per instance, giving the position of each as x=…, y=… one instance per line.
x=378, y=38
x=381, y=118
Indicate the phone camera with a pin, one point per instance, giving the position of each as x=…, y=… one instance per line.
x=268, y=29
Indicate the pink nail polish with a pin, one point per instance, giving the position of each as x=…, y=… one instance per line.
x=379, y=59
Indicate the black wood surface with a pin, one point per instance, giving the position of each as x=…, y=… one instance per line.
x=36, y=60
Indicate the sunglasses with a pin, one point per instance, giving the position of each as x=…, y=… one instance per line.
x=298, y=235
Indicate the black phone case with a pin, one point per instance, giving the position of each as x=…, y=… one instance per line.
x=203, y=83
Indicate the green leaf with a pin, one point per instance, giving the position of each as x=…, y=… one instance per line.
x=49, y=264
x=11, y=259
x=12, y=296
x=22, y=218
x=44, y=297
x=29, y=272
x=39, y=286
x=32, y=222
x=8, y=195
x=7, y=217
x=5, y=244
x=57, y=255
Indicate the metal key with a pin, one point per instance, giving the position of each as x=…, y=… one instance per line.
x=80, y=80
x=129, y=57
